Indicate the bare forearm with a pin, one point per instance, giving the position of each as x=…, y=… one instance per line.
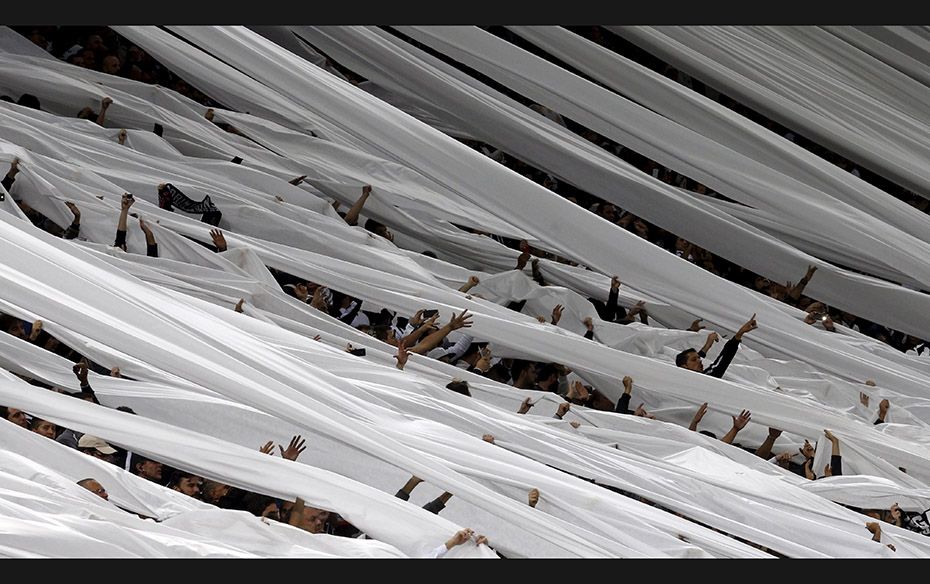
x=765, y=450
x=353, y=213
x=730, y=436
x=431, y=341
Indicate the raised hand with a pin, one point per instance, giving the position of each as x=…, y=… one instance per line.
x=219, y=240
x=462, y=320
x=525, y=406
x=615, y=283
x=105, y=103
x=563, y=409
x=698, y=416
x=749, y=326
x=74, y=210
x=807, y=450
x=533, y=497
x=294, y=448
x=696, y=325
x=268, y=448
x=740, y=421
x=80, y=371
x=402, y=355
x=239, y=305
x=557, y=313
x=863, y=399
x=488, y=438
x=627, y=383
x=127, y=201
x=588, y=323
x=642, y=413
x=121, y=137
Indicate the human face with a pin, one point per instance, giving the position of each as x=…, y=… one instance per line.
x=271, y=512
x=111, y=65
x=18, y=417
x=694, y=362
x=97, y=489
x=215, y=492
x=46, y=429
x=150, y=470
x=313, y=519
x=190, y=486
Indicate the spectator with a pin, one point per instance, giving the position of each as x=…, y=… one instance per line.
x=96, y=447
x=459, y=538
x=146, y=468
x=43, y=427
x=14, y=415
x=690, y=359
x=94, y=487
x=186, y=482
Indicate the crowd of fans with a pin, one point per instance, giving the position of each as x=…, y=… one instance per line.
x=423, y=333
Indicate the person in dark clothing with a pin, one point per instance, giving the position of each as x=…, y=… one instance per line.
x=611, y=311
x=151, y=246
x=691, y=359
x=623, y=404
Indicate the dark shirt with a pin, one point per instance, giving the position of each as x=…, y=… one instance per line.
x=723, y=360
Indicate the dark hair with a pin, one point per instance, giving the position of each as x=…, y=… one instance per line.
x=126, y=409
x=498, y=372
x=708, y=433
x=546, y=371
x=255, y=503
x=682, y=358
x=29, y=100
x=138, y=459
x=6, y=98
x=373, y=225
x=459, y=386
x=34, y=423
x=430, y=254
x=519, y=365
x=178, y=474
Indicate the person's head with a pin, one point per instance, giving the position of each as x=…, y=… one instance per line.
x=524, y=373
x=15, y=327
x=547, y=375
x=213, y=491
x=378, y=228
x=7, y=99
x=640, y=228
x=94, y=487
x=111, y=65
x=87, y=113
x=429, y=254
x=681, y=244
x=29, y=100
x=186, y=482
x=95, y=43
x=459, y=386
x=762, y=283
x=261, y=506
x=96, y=447
x=708, y=433
x=18, y=417
x=146, y=468
x=87, y=396
x=499, y=373
x=313, y=519
x=689, y=359
x=43, y=427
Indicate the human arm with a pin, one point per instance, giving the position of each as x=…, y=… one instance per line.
x=402, y=355
x=219, y=240
x=698, y=416
x=739, y=422
x=423, y=328
x=102, y=116
x=151, y=247
x=433, y=339
x=125, y=203
x=409, y=486
x=882, y=411
x=589, y=324
x=11, y=174
x=711, y=339
x=352, y=215
x=613, y=306
x=557, y=313
x=623, y=403
x=794, y=292
x=471, y=283
x=75, y=228
x=765, y=449
x=836, y=461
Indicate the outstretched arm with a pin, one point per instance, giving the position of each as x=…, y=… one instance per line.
x=102, y=116
x=433, y=339
x=125, y=203
x=352, y=216
x=794, y=293
x=739, y=422
x=151, y=247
